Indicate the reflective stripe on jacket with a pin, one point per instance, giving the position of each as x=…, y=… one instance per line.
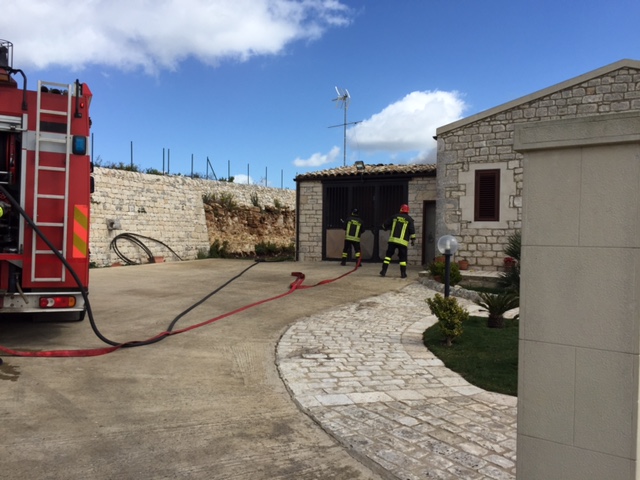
x=354, y=225
x=402, y=229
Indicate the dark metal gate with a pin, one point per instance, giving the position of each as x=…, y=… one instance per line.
x=376, y=200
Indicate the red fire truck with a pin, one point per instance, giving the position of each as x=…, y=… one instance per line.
x=45, y=187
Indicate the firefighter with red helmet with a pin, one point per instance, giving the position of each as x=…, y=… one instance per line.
x=402, y=231
x=353, y=230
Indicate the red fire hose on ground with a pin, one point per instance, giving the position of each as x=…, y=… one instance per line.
x=297, y=284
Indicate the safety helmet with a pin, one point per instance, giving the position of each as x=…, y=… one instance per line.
x=354, y=211
x=404, y=208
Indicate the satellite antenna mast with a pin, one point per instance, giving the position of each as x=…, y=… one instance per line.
x=342, y=101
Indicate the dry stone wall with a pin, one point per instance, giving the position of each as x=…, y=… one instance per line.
x=239, y=229
x=170, y=209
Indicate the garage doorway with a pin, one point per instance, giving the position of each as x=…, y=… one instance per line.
x=376, y=201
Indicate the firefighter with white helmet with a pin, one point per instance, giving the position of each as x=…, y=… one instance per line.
x=402, y=231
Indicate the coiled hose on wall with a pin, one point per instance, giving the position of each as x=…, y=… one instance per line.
x=135, y=238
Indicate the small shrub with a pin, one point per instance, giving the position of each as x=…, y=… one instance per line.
x=121, y=166
x=450, y=316
x=202, y=254
x=289, y=249
x=255, y=201
x=229, y=180
x=153, y=171
x=217, y=250
x=270, y=249
x=278, y=204
x=266, y=249
x=227, y=200
x=438, y=269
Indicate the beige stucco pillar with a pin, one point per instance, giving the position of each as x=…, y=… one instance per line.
x=579, y=330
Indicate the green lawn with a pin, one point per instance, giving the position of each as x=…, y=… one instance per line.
x=485, y=357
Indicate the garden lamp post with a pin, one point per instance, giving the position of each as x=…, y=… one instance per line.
x=448, y=246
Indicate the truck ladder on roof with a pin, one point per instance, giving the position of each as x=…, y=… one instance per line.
x=41, y=199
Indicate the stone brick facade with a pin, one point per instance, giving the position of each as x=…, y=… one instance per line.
x=309, y=223
x=421, y=189
x=167, y=208
x=485, y=141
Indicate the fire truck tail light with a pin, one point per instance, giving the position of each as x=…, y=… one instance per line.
x=58, y=302
x=79, y=145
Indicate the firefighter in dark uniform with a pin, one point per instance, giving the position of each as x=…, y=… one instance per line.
x=402, y=231
x=353, y=230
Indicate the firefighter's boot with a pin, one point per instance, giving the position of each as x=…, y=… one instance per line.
x=343, y=262
x=383, y=272
x=403, y=272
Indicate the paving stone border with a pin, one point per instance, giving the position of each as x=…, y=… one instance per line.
x=362, y=373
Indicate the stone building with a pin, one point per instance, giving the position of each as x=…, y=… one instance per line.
x=326, y=197
x=480, y=177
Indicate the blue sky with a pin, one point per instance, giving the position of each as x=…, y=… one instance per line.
x=250, y=83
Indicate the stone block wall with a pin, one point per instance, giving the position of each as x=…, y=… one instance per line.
x=167, y=208
x=421, y=189
x=488, y=143
x=309, y=221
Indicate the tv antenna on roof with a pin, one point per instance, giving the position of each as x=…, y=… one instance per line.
x=342, y=101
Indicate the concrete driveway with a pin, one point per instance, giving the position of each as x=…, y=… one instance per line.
x=204, y=404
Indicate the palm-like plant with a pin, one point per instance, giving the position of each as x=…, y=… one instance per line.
x=497, y=305
x=514, y=245
x=510, y=279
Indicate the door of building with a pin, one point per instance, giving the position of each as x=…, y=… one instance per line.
x=428, y=232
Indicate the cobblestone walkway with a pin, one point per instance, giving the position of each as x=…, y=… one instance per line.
x=362, y=373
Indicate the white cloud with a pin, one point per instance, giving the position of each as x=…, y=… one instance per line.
x=243, y=179
x=130, y=34
x=318, y=159
x=408, y=125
